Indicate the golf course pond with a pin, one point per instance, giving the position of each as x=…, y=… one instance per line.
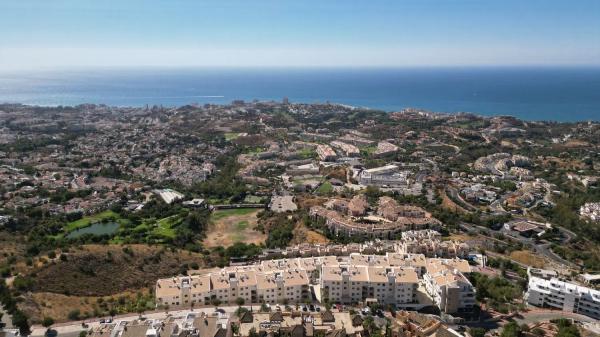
x=98, y=228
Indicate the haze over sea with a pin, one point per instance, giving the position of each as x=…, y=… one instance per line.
x=542, y=93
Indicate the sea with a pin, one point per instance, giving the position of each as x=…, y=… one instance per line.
x=529, y=93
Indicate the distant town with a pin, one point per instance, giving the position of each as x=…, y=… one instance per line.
x=287, y=219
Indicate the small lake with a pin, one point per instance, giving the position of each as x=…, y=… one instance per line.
x=95, y=229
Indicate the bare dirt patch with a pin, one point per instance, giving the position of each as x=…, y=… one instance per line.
x=528, y=258
x=461, y=237
x=303, y=234
x=231, y=226
x=448, y=204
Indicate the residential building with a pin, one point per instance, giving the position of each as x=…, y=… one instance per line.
x=326, y=153
x=389, y=175
x=449, y=288
x=353, y=284
x=385, y=148
x=349, y=150
x=565, y=296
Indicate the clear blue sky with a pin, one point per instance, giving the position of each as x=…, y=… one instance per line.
x=62, y=33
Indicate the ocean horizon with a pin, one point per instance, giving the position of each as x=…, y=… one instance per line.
x=529, y=93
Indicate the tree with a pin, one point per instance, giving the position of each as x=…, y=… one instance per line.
x=19, y=320
x=252, y=332
x=235, y=328
x=112, y=312
x=215, y=301
x=477, y=332
x=511, y=329
x=47, y=322
x=140, y=309
x=240, y=301
x=74, y=314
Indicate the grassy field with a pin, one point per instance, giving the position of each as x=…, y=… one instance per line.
x=231, y=135
x=308, y=153
x=253, y=199
x=325, y=188
x=233, y=225
x=225, y=213
x=164, y=227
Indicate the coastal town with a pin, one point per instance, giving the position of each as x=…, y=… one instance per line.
x=272, y=218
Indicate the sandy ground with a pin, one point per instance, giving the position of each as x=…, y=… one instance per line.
x=234, y=228
x=303, y=234
x=448, y=204
x=528, y=258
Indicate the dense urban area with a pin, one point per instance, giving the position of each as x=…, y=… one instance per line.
x=292, y=220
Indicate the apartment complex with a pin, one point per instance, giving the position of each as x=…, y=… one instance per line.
x=353, y=284
x=389, y=175
x=326, y=153
x=447, y=285
x=226, y=286
x=427, y=242
x=545, y=291
x=388, y=279
x=349, y=150
x=387, y=222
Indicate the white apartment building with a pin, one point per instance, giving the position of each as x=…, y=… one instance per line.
x=352, y=284
x=389, y=175
x=554, y=293
x=388, y=279
x=285, y=286
x=450, y=290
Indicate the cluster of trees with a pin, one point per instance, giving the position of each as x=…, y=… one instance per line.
x=512, y=329
x=221, y=255
x=224, y=184
x=19, y=319
x=496, y=291
x=566, y=213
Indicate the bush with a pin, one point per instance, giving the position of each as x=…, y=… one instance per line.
x=74, y=315
x=47, y=322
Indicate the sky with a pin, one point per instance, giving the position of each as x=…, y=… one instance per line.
x=48, y=34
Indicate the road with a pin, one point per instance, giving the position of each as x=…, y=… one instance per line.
x=455, y=196
x=538, y=315
x=72, y=329
x=543, y=249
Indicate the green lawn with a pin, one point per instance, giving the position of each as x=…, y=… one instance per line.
x=164, y=227
x=87, y=220
x=308, y=153
x=253, y=199
x=231, y=135
x=325, y=188
x=223, y=213
x=240, y=226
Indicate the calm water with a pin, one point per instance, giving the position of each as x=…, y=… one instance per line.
x=564, y=94
x=95, y=229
